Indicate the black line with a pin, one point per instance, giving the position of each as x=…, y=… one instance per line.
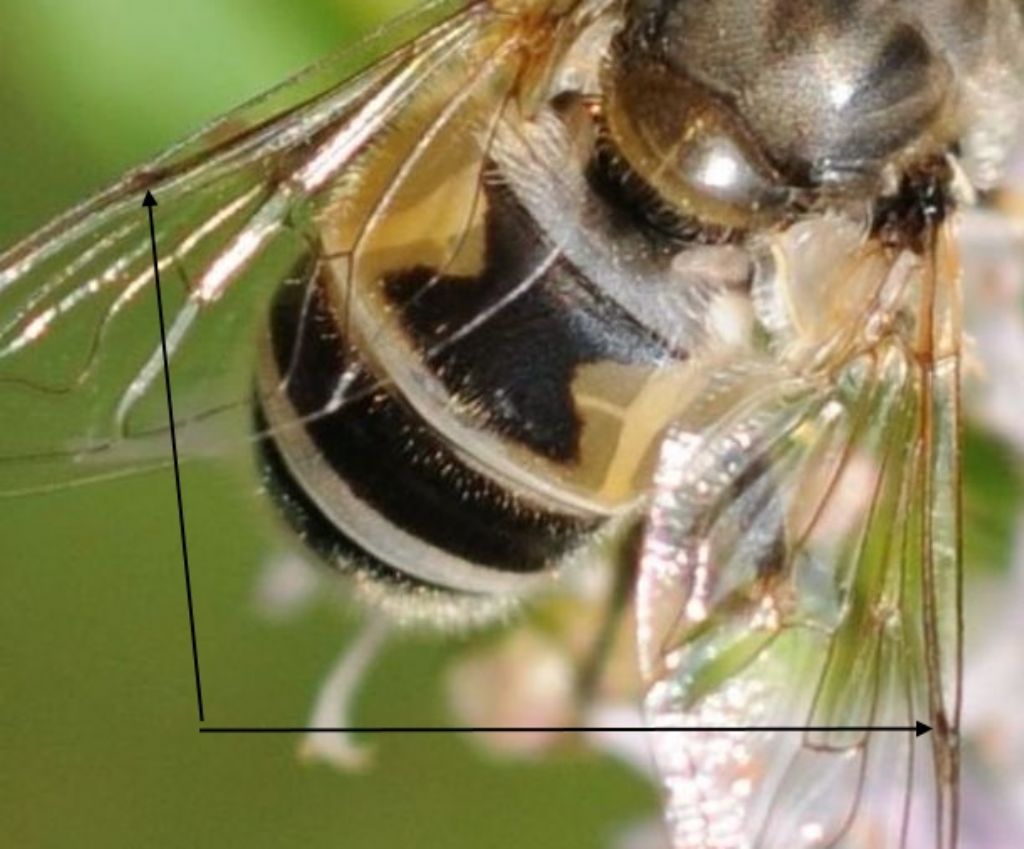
x=149, y=203
x=918, y=729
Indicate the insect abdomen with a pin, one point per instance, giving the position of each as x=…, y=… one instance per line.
x=376, y=481
x=371, y=469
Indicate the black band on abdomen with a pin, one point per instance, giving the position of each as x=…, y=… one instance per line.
x=386, y=465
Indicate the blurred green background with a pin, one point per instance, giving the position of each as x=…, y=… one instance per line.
x=98, y=742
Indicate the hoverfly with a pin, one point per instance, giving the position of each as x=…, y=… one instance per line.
x=554, y=279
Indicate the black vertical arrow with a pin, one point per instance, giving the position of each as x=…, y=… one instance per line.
x=149, y=203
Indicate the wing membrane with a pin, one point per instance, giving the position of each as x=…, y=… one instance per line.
x=291, y=183
x=800, y=568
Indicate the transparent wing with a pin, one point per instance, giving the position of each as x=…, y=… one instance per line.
x=800, y=568
x=271, y=193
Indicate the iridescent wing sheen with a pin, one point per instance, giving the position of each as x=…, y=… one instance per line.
x=801, y=567
x=270, y=193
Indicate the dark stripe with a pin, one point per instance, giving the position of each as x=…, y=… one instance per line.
x=518, y=366
x=316, y=531
x=396, y=464
x=903, y=68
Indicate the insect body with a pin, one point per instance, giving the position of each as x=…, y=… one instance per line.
x=553, y=271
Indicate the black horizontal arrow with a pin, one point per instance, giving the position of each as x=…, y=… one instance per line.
x=918, y=728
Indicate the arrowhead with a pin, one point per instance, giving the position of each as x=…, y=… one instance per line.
x=920, y=728
x=149, y=200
